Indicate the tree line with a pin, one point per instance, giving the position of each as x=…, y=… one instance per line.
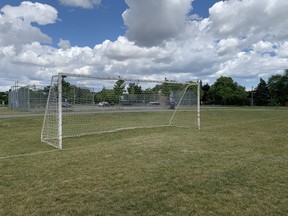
x=114, y=95
x=225, y=91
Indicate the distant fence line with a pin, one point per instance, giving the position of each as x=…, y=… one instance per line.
x=27, y=98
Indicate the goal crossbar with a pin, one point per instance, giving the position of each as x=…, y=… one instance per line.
x=125, y=79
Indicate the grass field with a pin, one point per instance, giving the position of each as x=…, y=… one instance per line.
x=235, y=165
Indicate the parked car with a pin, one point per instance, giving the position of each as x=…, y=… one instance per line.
x=66, y=104
x=154, y=103
x=103, y=104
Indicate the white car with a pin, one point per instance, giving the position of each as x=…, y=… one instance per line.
x=154, y=103
x=103, y=104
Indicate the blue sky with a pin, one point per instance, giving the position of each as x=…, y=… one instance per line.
x=83, y=27
x=88, y=27
x=175, y=39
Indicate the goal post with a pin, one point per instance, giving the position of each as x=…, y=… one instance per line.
x=80, y=105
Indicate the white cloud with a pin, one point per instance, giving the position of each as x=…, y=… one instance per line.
x=151, y=22
x=263, y=46
x=64, y=44
x=282, y=51
x=226, y=46
x=242, y=39
x=251, y=64
x=16, y=23
x=255, y=19
x=30, y=12
x=88, y=4
x=86, y=70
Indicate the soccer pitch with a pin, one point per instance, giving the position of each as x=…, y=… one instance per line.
x=235, y=165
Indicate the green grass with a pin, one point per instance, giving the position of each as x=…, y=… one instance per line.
x=6, y=111
x=235, y=165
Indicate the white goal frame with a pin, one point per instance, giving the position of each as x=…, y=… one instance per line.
x=58, y=115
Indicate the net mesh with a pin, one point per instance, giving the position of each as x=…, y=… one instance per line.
x=98, y=105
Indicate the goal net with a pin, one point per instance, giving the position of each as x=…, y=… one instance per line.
x=80, y=105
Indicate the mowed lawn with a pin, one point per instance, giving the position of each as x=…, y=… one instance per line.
x=237, y=164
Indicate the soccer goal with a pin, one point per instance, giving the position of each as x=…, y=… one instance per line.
x=80, y=105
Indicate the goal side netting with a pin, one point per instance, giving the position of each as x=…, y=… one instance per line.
x=79, y=105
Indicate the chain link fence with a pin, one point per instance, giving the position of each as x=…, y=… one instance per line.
x=27, y=98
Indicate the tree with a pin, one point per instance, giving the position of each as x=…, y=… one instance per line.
x=68, y=90
x=261, y=95
x=118, y=90
x=134, y=88
x=3, y=97
x=278, y=88
x=205, y=96
x=170, y=86
x=106, y=95
x=227, y=92
x=119, y=87
x=46, y=90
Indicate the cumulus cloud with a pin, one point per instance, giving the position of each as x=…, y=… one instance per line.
x=282, y=50
x=252, y=33
x=263, y=47
x=64, y=44
x=255, y=19
x=87, y=4
x=243, y=39
x=151, y=22
x=16, y=23
x=226, y=46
